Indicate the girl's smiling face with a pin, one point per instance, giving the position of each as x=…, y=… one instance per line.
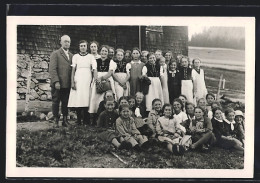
x=135, y=54
x=183, y=99
x=83, y=47
x=125, y=113
x=168, y=56
x=177, y=107
x=167, y=111
x=230, y=116
x=123, y=101
x=218, y=114
x=157, y=106
x=131, y=103
x=173, y=67
x=152, y=59
x=210, y=99
x=111, y=53
x=104, y=52
x=198, y=113
x=109, y=95
x=119, y=56
x=158, y=55
x=239, y=119
x=110, y=105
x=139, y=99
x=144, y=57
x=93, y=48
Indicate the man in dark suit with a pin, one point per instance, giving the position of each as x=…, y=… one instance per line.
x=60, y=72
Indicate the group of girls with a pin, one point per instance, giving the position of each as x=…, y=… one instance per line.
x=166, y=112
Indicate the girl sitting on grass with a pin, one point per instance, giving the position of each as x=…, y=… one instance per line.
x=169, y=131
x=140, y=108
x=154, y=114
x=223, y=130
x=106, y=126
x=108, y=94
x=125, y=126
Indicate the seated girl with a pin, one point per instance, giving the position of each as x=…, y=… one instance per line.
x=223, y=130
x=183, y=100
x=210, y=97
x=179, y=115
x=190, y=114
x=169, y=131
x=240, y=126
x=140, y=108
x=123, y=100
x=201, y=131
x=108, y=94
x=125, y=126
x=106, y=126
x=154, y=114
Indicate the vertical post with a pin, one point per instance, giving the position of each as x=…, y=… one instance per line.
x=219, y=86
x=27, y=98
x=140, y=38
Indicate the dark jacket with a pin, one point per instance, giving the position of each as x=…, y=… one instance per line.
x=60, y=68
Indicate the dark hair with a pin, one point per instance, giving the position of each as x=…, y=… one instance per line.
x=216, y=109
x=167, y=105
x=189, y=103
x=181, y=95
x=216, y=102
x=130, y=97
x=156, y=100
x=122, y=98
x=128, y=51
x=178, y=100
x=120, y=50
x=135, y=48
x=198, y=107
x=123, y=106
x=83, y=41
x=195, y=59
x=229, y=110
x=169, y=52
x=109, y=99
x=173, y=61
x=104, y=46
x=150, y=54
x=95, y=43
x=210, y=94
x=110, y=47
x=106, y=94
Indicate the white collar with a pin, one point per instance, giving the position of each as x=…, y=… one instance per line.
x=172, y=71
x=231, y=123
x=139, y=61
x=65, y=50
x=219, y=120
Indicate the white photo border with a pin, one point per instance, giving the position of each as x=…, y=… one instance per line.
x=13, y=171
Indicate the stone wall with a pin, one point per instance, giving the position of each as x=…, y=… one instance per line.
x=40, y=78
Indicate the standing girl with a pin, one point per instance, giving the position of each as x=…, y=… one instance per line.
x=81, y=77
x=122, y=86
x=179, y=115
x=105, y=68
x=128, y=57
x=186, y=79
x=154, y=114
x=174, y=81
x=111, y=53
x=152, y=71
x=168, y=57
x=199, y=86
x=169, y=130
x=164, y=79
x=94, y=49
x=134, y=71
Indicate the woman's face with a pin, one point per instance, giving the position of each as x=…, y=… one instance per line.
x=177, y=107
x=202, y=103
x=157, y=106
x=93, y=48
x=152, y=59
x=196, y=63
x=111, y=53
x=198, y=113
x=158, y=55
x=144, y=57
x=162, y=62
x=104, y=52
x=131, y=103
x=139, y=99
x=125, y=113
x=218, y=114
x=184, y=62
x=119, y=56
x=83, y=47
x=135, y=54
x=167, y=111
x=168, y=56
x=127, y=57
x=190, y=110
x=210, y=99
x=183, y=99
x=173, y=67
x=231, y=116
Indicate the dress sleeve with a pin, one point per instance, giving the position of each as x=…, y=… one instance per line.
x=184, y=117
x=93, y=63
x=74, y=61
x=144, y=70
x=128, y=67
x=112, y=65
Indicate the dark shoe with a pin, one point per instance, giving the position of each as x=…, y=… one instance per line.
x=204, y=148
x=65, y=122
x=178, y=149
x=56, y=122
x=145, y=145
x=137, y=148
x=124, y=145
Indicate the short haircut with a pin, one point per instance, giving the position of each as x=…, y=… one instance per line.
x=139, y=93
x=179, y=101
x=130, y=97
x=62, y=37
x=128, y=51
x=198, y=107
x=108, y=91
x=189, y=103
x=195, y=59
x=216, y=109
x=181, y=95
x=95, y=43
x=229, y=110
x=135, y=48
x=210, y=94
x=145, y=51
x=120, y=50
x=185, y=57
x=83, y=41
x=156, y=100
x=121, y=107
x=150, y=54
x=122, y=98
x=104, y=46
x=109, y=100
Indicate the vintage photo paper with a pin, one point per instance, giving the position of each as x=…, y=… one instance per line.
x=17, y=48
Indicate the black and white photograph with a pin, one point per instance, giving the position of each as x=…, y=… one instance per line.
x=130, y=97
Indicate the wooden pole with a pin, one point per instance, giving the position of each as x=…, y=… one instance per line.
x=114, y=154
x=219, y=86
x=27, y=98
x=140, y=39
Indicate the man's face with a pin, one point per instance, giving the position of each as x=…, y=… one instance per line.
x=65, y=42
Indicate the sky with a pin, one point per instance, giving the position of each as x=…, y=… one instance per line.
x=195, y=29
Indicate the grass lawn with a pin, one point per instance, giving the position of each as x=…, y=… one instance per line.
x=79, y=146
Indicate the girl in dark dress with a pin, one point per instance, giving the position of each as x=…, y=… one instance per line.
x=174, y=81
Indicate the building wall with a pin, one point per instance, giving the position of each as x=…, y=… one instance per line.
x=35, y=44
